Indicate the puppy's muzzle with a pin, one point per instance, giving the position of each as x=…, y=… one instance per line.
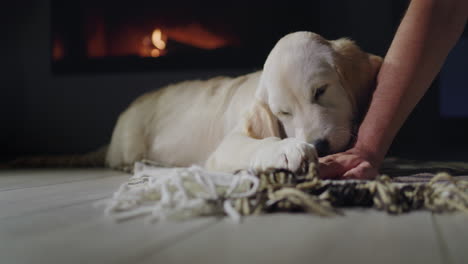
x=322, y=146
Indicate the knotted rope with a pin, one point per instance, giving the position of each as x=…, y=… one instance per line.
x=181, y=193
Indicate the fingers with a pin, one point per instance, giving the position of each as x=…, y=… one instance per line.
x=330, y=158
x=331, y=170
x=346, y=166
x=364, y=171
x=334, y=166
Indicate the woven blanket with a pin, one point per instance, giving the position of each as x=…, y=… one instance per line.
x=160, y=193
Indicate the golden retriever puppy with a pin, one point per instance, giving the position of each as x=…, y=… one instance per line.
x=305, y=102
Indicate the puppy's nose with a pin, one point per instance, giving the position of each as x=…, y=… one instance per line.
x=322, y=146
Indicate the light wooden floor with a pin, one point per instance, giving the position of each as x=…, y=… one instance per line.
x=47, y=216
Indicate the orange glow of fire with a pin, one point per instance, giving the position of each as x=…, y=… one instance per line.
x=155, y=53
x=197, y=36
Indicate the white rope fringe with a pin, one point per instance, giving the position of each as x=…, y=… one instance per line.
x=179, y=193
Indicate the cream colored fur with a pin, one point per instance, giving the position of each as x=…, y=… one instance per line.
x=260, y=120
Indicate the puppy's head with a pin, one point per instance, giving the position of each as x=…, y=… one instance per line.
x=314, y=90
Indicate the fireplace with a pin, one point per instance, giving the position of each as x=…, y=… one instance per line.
x=129, y=36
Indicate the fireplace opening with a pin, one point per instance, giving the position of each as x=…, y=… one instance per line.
x=131, y=36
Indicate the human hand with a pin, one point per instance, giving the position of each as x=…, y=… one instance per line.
x=351, y=164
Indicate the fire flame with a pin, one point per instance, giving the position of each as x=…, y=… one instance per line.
x=157, y=39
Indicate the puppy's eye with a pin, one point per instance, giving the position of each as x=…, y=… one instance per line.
x=320, y=91
x=284, y=113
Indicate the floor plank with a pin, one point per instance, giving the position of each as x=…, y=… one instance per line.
x=360, y=237
x=454, y=236
x=27, y=178
x=82, y=234
x=19, y=202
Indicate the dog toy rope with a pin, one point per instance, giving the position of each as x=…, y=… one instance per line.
x=188, y=192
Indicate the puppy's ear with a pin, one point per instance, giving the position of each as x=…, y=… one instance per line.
x=261, y=122
x=357, y=71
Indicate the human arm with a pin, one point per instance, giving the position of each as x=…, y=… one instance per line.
x=424, y=38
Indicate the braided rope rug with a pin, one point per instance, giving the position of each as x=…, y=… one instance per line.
x=178, y=193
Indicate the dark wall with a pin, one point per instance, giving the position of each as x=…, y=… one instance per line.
x=370, y=23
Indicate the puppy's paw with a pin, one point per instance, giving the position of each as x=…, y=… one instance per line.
x=292, y=154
